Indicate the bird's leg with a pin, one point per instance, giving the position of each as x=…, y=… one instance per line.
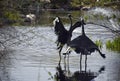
x=65, y=62
x=68, y=62
x=60, y=55
x=85, y=62
x=60, y=58
x=80, y=62
x=66, y=53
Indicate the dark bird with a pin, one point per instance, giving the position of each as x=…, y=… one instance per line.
x=63, y=35
x=82, y=44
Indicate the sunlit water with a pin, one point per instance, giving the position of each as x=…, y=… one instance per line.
x=31, y=54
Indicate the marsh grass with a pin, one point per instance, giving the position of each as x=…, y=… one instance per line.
x=99, y=43
x=113, y=45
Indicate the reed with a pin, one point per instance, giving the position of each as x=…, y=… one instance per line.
x=113, y=45
x=99, y=43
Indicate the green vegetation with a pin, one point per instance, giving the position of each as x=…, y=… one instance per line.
x=92, y=3
x=8, y=12
x=59, y=3
x=99, y=43
x=76, y=3
x=113, y=45
x=11, y=10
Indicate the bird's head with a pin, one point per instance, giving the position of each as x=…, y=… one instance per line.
x=58, y=25
x=69, y=15
x=83, y=22
x=56, y=20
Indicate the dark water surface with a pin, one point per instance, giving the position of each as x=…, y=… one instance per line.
x=31, y=54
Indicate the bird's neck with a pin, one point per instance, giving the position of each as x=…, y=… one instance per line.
x=70, y=22
x=70, y=29
x=83, y=32
x=70, y=35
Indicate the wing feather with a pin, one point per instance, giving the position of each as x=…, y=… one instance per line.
x=61, y=32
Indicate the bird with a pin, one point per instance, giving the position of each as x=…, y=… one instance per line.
x=83, y=45
x=30, y=18
x=63, y=35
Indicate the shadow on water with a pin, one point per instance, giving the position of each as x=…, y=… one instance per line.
x=82, y=75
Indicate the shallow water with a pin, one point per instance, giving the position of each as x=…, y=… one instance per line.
x=34, y=56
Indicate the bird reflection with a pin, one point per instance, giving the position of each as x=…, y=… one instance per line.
x=66, y=75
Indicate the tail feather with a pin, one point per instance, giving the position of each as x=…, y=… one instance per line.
x=102, y=55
